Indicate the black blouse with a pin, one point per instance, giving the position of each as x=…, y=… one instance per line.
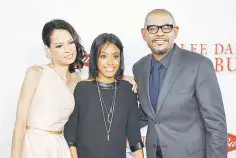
x=86, y=129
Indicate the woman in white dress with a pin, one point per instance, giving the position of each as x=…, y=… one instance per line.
x=46, y=100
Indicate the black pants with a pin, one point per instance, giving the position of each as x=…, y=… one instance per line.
x=158, y=152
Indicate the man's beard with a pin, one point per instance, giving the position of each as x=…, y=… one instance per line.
x=160, y=52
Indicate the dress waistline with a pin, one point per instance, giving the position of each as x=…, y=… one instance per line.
x=48, y=131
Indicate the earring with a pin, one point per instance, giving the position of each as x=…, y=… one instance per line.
x=50, y=63
x=48, y=56
x=50, y=60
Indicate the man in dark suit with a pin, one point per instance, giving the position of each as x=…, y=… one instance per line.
x=179, y=95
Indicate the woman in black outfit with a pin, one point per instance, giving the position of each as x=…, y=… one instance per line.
x=106, y=109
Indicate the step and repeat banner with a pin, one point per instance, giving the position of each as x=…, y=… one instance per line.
x=206, y=27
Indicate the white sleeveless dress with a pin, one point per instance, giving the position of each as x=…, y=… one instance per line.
x=50, y=109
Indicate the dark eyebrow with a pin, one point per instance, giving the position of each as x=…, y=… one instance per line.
x=107, y=53
x=70, y=40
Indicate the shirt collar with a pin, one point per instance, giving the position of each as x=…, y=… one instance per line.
x=164, y=61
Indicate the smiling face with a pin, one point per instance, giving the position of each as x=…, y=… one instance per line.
x=108, y=62
x=62, y=48
x=159, y=42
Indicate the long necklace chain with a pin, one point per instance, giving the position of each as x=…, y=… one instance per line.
x=105, y=107
x=110, y=114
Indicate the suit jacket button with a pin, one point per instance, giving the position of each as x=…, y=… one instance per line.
x=154, y=146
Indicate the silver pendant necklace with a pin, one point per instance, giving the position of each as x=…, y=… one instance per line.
x=110, y=113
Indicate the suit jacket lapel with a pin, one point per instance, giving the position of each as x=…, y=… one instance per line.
x=145, y=83
x=171, y=74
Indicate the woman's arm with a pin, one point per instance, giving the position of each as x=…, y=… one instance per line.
x=133, y=130
x=29, y=86
x=70, y=130
x=70, y=133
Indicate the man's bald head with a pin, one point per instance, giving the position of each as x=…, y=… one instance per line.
x=157, y=12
